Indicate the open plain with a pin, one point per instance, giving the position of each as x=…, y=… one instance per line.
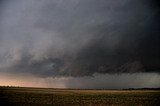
x=25, y=96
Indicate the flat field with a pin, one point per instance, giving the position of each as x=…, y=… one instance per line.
x=21, y=96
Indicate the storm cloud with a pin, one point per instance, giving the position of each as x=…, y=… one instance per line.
x=56, y=38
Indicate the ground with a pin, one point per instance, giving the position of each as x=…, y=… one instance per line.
x=23, y=96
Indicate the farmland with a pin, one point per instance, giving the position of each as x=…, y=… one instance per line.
x=23, y=96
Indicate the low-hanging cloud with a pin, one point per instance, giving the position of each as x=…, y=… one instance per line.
x=56, y=38
x=98, y=81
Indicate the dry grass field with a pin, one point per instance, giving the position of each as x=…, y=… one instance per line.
x=21, y=96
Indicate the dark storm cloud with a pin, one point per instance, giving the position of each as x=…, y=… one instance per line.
x=80, y=38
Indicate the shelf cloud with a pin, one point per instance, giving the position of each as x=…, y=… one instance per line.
x=80, y=38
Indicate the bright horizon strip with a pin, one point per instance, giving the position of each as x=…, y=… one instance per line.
x=136, y=80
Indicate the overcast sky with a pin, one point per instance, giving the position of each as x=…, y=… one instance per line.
x=89, y=42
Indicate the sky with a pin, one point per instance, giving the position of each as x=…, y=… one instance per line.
x=104, y=44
